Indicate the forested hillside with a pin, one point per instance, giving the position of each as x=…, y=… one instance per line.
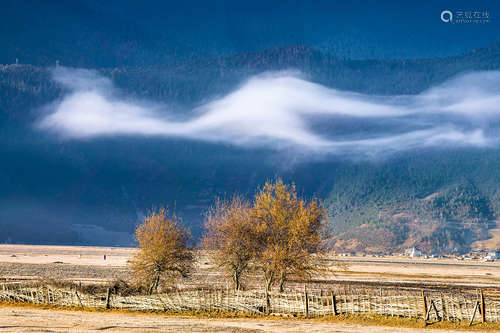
x=438, y=200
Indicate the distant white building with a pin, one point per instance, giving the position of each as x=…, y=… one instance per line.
x=492, y=255
x=412, y=252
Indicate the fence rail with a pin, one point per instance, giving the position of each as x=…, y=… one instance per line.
x=429, y=305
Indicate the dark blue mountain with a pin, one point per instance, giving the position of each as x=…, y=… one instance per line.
x=94, y=191
x=94, y=34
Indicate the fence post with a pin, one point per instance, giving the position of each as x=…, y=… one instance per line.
x=424, y=300
x=227, y=303
x=382, y=302
x=334, y=304
x=483, y=312
x=306, y=299
x=474, y=312
x=443, y=307
x=79, y=299
x=108, y=298
x=433, y=304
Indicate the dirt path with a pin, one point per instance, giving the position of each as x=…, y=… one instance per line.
x=13, y=319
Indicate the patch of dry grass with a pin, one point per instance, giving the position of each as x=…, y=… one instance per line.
x=378, y=320
x=417, y=276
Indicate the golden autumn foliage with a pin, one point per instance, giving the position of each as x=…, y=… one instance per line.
x=286, y=231
x=277, y=235
x=228, y=234
x=163, y=250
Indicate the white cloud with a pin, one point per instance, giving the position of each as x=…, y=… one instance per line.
x=282, y=110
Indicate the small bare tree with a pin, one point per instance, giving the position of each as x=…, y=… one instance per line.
x=228, y=234
x=287, y=233
x=163, y=250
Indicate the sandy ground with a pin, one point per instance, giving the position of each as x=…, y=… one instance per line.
x=76, y=255
x=85, y=263
x=448, y=271
x=35, y=320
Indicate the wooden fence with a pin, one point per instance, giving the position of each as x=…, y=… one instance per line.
x=430, y=305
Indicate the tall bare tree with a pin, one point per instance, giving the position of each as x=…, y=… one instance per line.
x=229, y=235
x=163, y=250
x=287, y=233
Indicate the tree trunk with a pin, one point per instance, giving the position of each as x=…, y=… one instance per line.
x=236, y=280
x=154, y=284
x=151, y=286
x=281, y=281
x=269, y=282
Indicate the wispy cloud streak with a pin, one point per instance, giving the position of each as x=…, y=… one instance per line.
x=283, y=110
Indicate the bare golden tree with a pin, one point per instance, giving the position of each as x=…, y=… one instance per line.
x=228, y=234
x=287, y=233
x=163, y=250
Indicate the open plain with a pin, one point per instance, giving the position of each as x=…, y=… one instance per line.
x=88, y=264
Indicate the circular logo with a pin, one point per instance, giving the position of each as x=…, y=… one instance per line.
x=446, y=16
